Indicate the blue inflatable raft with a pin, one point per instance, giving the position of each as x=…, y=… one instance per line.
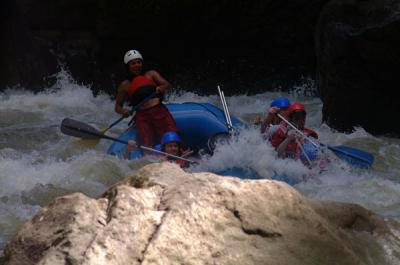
x=198, y=124
x=201, y=124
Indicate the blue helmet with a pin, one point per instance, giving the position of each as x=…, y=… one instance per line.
x=170, y=137
x=281, y=102
x=310, y=150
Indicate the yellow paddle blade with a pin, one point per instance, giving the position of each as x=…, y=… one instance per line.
x=88, y=142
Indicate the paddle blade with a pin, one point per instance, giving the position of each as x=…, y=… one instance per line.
x=353, y=156
x=89, y=143
x=79, y=129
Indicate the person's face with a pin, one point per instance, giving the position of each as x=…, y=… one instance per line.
x=172, y=148
x=135, y=66
x=298, y=118
x=284, y=112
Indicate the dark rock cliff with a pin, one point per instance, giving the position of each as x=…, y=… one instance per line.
x=359, y=64
x=25, y=60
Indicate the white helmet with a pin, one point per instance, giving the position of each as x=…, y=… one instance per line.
x=132, y=54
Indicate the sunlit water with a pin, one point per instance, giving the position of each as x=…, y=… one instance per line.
x=39, y=163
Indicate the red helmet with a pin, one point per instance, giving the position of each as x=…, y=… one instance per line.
x=296, y=107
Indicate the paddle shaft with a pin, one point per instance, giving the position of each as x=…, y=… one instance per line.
x=304, y=152
x=297, y=130
x=225, y=108
x=114, y=123
x=170, y=155
x=227, y=111
x=100, y=135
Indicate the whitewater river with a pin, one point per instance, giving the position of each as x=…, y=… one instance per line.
x=39, y=163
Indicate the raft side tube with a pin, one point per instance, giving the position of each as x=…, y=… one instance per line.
x=197, y=124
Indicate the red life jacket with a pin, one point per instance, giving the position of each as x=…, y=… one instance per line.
x=182, y=163
x=139, y=82
x=292, y=149
x=140, y=88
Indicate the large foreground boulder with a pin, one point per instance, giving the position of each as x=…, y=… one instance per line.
x=162, y=215
x=358, y=55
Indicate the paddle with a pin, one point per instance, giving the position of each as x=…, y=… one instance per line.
x=351, y=155
x=82, y=130
x=104, y=130
x=225, y=108
x=95, y=140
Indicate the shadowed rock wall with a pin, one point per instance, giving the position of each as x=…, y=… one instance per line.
x=359, y=64
x=25, y=60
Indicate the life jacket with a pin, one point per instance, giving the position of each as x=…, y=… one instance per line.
x=140, y=88
x=279, y=134
x=182, y=163
x=271, y=130
x=293, y=150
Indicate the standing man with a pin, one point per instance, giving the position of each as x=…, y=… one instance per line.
x=153, y=118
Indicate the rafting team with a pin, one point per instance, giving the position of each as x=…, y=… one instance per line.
x=283, y=126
